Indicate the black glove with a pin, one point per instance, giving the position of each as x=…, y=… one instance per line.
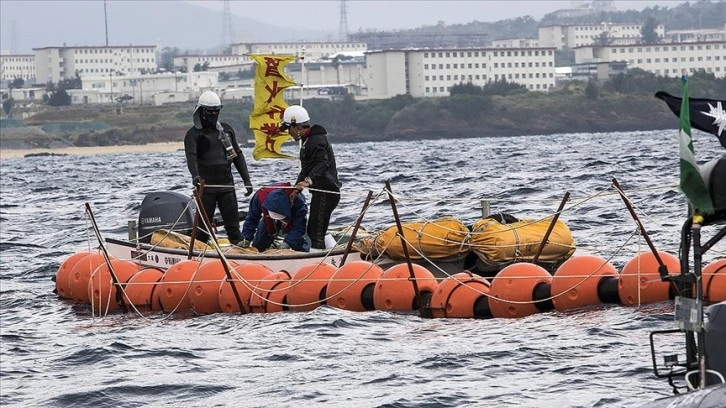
x=195, y=181
x=249, y=192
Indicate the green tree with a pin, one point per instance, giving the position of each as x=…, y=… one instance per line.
x=8, y=105
x=647, y=32
x=59, y=98
x=466, y=89
x=17, y=83
x=166, y=58
x=604, y=39
x=592, y=91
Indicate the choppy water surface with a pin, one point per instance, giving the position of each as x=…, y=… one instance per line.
x=56, y=354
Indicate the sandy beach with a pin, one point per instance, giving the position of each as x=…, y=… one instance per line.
x=96, y=150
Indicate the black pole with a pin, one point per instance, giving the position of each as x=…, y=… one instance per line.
x=355, y=228
x=550, y=228
x=116, y=283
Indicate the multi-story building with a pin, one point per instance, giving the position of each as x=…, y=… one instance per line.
x=571, y=36
x=14, y=66
x=312, y=51
x=432, y=72
x=215, y=62
x=142, y=89
x=666, y=59
x=53, y=64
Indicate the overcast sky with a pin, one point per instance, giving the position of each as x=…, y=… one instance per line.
x=388, y=15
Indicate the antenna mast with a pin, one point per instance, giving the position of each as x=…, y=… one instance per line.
x=343, y=29
x=227, y=30
x=105, y=21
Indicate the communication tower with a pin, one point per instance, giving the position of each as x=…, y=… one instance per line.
x=343, y=29
x=227, y=29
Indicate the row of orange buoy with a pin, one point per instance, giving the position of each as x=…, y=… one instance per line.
x=518, y=290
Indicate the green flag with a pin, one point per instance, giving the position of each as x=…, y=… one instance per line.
x=692, y=183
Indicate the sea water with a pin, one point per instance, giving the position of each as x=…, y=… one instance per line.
x=56, y=354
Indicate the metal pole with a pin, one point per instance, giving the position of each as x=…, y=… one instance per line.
x=550, y=228
x=355, y=228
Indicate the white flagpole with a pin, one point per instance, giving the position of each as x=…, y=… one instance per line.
x=302, y=76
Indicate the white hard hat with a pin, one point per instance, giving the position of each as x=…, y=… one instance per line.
x=294, y=114
x=275, y=215
x=209, y=99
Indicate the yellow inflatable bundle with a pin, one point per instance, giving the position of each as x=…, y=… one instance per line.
x=445, y=237
x=497, y=243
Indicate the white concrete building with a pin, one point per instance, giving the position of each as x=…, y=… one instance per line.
x=212, y=61
x=17, y=66
x=571, y=36
x=53, y=64
x=432, y=72
x=311, y=50
x=666, y=59
x=143, y=88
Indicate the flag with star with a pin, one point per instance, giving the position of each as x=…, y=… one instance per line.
x=692, y=183
x=707, y=115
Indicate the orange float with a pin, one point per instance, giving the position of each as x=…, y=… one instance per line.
x=175, y=285
x=101, y=289
x=457, y=296
x=204, y=293
x=81, y=273
x=640, y=282
x=268, y=296
x=394, y=289
x=140, y=289
x=576, y=281
x=245, y=276
x=714, y=281
x=517, y=283
x=349, y=284
x=64, y=272
x=308, y=286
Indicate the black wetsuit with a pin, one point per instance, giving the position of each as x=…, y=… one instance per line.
x=207, y=159
x=317, y=162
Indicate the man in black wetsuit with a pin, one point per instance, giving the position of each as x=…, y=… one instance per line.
x=211, y=148
x=317, y=170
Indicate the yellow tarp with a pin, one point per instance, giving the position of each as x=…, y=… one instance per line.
x=496, y=243
x=442, y=238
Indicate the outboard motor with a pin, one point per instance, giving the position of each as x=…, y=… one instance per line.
x=165, y=210
x=715, y=333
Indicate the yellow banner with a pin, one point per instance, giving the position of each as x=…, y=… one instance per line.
x=270, y=82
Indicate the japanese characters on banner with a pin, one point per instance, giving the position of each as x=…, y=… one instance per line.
x=270, y=82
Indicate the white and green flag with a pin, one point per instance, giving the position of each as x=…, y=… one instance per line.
x=692, y=183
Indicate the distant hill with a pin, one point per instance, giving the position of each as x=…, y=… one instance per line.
x=165, y=23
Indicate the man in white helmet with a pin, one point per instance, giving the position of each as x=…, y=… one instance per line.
x=317, y=171
x=211, y=148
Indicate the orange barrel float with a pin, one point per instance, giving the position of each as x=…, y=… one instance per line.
x=62, y=277
x=351, y=286
x=394, y=289
x=462, y=295
x=640, y=282
x=269, y=295
x=174, y=286
x=80, y=274
x=245, y=276
x=140, y=289
x=101, y=289
x=584, y=280
x=204, y=293
x=714, y=281
x=308, y=286
x=515, y=291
